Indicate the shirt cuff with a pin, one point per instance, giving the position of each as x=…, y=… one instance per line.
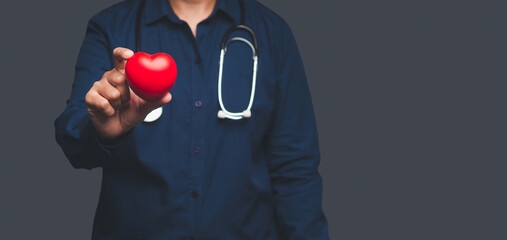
x=108, y=147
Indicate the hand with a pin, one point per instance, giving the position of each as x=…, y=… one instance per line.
x=113, y=107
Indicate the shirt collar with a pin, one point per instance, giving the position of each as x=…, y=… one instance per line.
x=157, y=9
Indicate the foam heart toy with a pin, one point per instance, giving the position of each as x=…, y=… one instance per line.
x=151, y=76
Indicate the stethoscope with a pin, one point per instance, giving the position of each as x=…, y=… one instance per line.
x=223, y=112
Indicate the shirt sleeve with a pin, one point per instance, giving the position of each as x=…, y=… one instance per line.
x=292, y=150
x=74, y=131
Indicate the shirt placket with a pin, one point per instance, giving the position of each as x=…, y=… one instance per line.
x=197, y=75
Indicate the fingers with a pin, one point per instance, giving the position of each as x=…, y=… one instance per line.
x=165, y=99
x=160, y=102
x=97, y=103
x=119, y=81
x=110, y=93
x=104, y=97
x=121, y=55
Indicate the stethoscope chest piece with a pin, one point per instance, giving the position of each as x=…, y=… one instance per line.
x=153, y=115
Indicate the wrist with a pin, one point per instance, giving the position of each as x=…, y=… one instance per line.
x=113, y=140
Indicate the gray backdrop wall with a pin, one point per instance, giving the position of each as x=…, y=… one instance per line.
x=409, y=98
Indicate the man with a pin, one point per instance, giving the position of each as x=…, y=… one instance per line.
x=189, y=174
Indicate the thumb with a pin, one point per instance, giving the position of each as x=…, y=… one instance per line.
x=121, y=55
x=149, y=106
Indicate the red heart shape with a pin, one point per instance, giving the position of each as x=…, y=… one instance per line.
x=151, y=76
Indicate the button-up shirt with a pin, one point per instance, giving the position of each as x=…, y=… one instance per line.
x=189, y=174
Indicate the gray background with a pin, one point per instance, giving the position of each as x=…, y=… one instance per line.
x=409, y=98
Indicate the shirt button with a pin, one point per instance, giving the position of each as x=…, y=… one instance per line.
x=197, y=149
x=194, y=194
x=197, y=60
x=198, y=103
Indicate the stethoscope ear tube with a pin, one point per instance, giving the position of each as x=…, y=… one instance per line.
x=138, y=25
x=223, y=113
x=224, y=42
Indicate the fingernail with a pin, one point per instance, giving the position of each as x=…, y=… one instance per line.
x=128, y=53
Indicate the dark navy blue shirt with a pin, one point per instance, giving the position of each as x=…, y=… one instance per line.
x=189, y=174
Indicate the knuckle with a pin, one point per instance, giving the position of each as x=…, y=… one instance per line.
x=102, y=104
x=115, y=94
x=96, y=85
x=117, y=78
x=89, y=96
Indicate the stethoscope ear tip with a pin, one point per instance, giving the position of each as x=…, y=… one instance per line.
x=221, y=114
x=247, y=113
